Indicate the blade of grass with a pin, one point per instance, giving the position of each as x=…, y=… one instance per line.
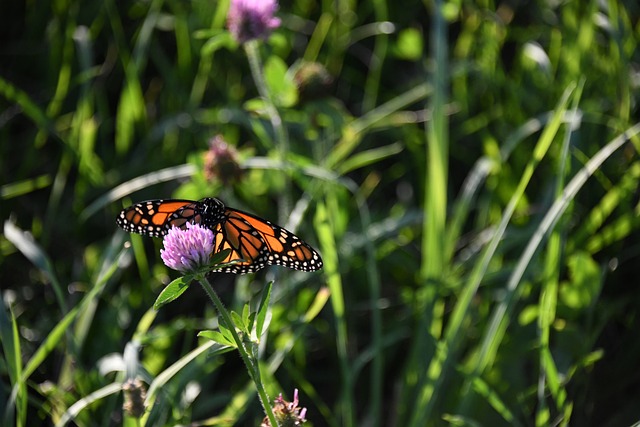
x=88, y=306
x=139, y=183
x=216, y=41
x=493, y=398
x=161, y=380
x=373, y=278
x=331, y=270
x=447, y=348
x=30, y=108
x=24, y=242
x=13, y=361
x=65, y=71
x=280, y=132
x=83, y=403
x=353, y=133
x=24, y=186
x=131, y=107
x=368, y=157
x=549, y=294
x=428, y=309
x=372, y=83
x=318, y=37
x=481, y=169
x=495, y=332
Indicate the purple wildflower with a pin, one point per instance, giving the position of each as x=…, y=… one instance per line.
x=221, y=162
x=252, y=19
x=287, y=413
x=189, y=249
x=313, y=80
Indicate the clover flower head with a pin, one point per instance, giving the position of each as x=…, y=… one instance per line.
x=189, y=249
x=252, y=19
x=288, y=414
x=221, y=162
x=135, y=394
x=313, y=80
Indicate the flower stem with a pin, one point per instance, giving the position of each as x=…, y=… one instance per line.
x=252, y=365
x=280, y=132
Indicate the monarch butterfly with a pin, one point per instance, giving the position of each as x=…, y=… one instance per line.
x=254, y=241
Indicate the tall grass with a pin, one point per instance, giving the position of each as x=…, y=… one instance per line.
x=470, y=176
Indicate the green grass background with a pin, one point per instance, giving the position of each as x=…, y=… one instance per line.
x=470, y=178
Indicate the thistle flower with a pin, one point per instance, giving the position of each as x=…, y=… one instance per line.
x=252, y=19
x=221, y=162
x=288, y=414
x=189, y=249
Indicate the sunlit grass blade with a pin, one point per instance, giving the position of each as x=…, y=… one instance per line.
x=482, y=168
x=549, y=294
x=83, y=403
x=322, y=296
x=354, y=132
x=495, y=331
x=419, y=397
x=446, y=350
x=139, y=183
x=20, y=188
x=493, y=398
x=13, y=94
x=165, y=376
x=369, y=157
x=15, y=409
x=331, y=271
x=599, y=228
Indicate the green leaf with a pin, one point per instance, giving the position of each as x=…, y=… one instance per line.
x=173, y=291
x=280, y=83
x=238, y=322
x=246, y=316
x=218, y=257
x=216, y=261
x=218, y=338
x=263, y=308
x=227, y=333
x=251, y=322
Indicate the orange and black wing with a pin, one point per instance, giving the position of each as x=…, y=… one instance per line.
x=253, y=242
x=258, y=243
x=155, y=218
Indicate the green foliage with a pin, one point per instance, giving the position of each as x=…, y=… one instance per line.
x=469, y=172
x=173, y=290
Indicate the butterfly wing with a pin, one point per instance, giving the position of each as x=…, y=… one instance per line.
x=155, y=218
x=258, y=243
x=253, y=242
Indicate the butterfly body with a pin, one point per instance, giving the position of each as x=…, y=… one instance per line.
x=253, y=242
